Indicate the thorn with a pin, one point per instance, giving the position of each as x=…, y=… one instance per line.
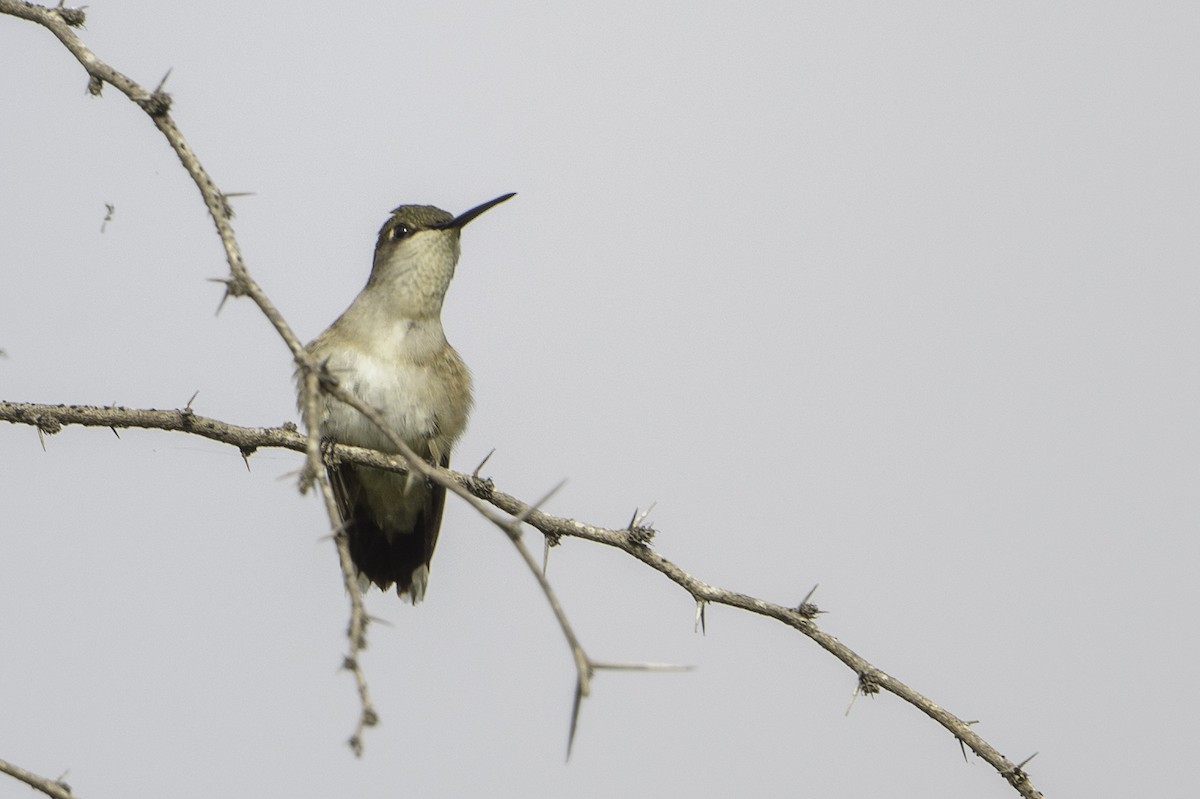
x=379, y=620
x=1016, y=775
x=524, y=514
x=963, y=744
x=486, y=458
x=545, y=555
x=159, y=102
x=287, y=476
x=113, y=404
x=700, y=625
x=639, y=533
x=642, y=667
x=163, y=82
x=807, y=610
x=809, y=595
x=187, y=415
x=868, y=685
x=233, y=288
x=853, y=697
x=639, y=517
x=221, y=305
x=46, y=426
x=574, y=716
x=246, y=453
x=227, y=207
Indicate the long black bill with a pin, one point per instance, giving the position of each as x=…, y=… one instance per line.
x=462, y=219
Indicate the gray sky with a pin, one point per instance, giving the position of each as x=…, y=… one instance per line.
x=900, y=300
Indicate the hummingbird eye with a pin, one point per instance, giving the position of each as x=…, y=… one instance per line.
x=401, y=231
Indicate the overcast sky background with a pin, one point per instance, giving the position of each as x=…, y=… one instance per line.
x=900, y=299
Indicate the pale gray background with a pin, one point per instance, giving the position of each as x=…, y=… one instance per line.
x=900, y=300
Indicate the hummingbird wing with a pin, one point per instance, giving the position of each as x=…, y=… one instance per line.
x=391, y=525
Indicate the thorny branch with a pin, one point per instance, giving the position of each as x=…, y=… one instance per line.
x=511, y=527
x=314, y=378
x=634, y=540
x=157, y=105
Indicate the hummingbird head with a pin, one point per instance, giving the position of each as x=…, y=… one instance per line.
x=417, y=250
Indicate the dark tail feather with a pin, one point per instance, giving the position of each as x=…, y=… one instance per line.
x=389, y=556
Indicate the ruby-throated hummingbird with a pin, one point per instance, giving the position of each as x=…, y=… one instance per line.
x=389, y=350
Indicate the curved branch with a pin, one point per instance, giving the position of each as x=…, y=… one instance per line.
x=634, y=540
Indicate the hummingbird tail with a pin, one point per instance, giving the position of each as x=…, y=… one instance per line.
x=389, y=552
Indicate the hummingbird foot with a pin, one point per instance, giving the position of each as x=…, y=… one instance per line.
x=329, y=456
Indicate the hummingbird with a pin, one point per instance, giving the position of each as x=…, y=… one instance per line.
x=389, y=350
